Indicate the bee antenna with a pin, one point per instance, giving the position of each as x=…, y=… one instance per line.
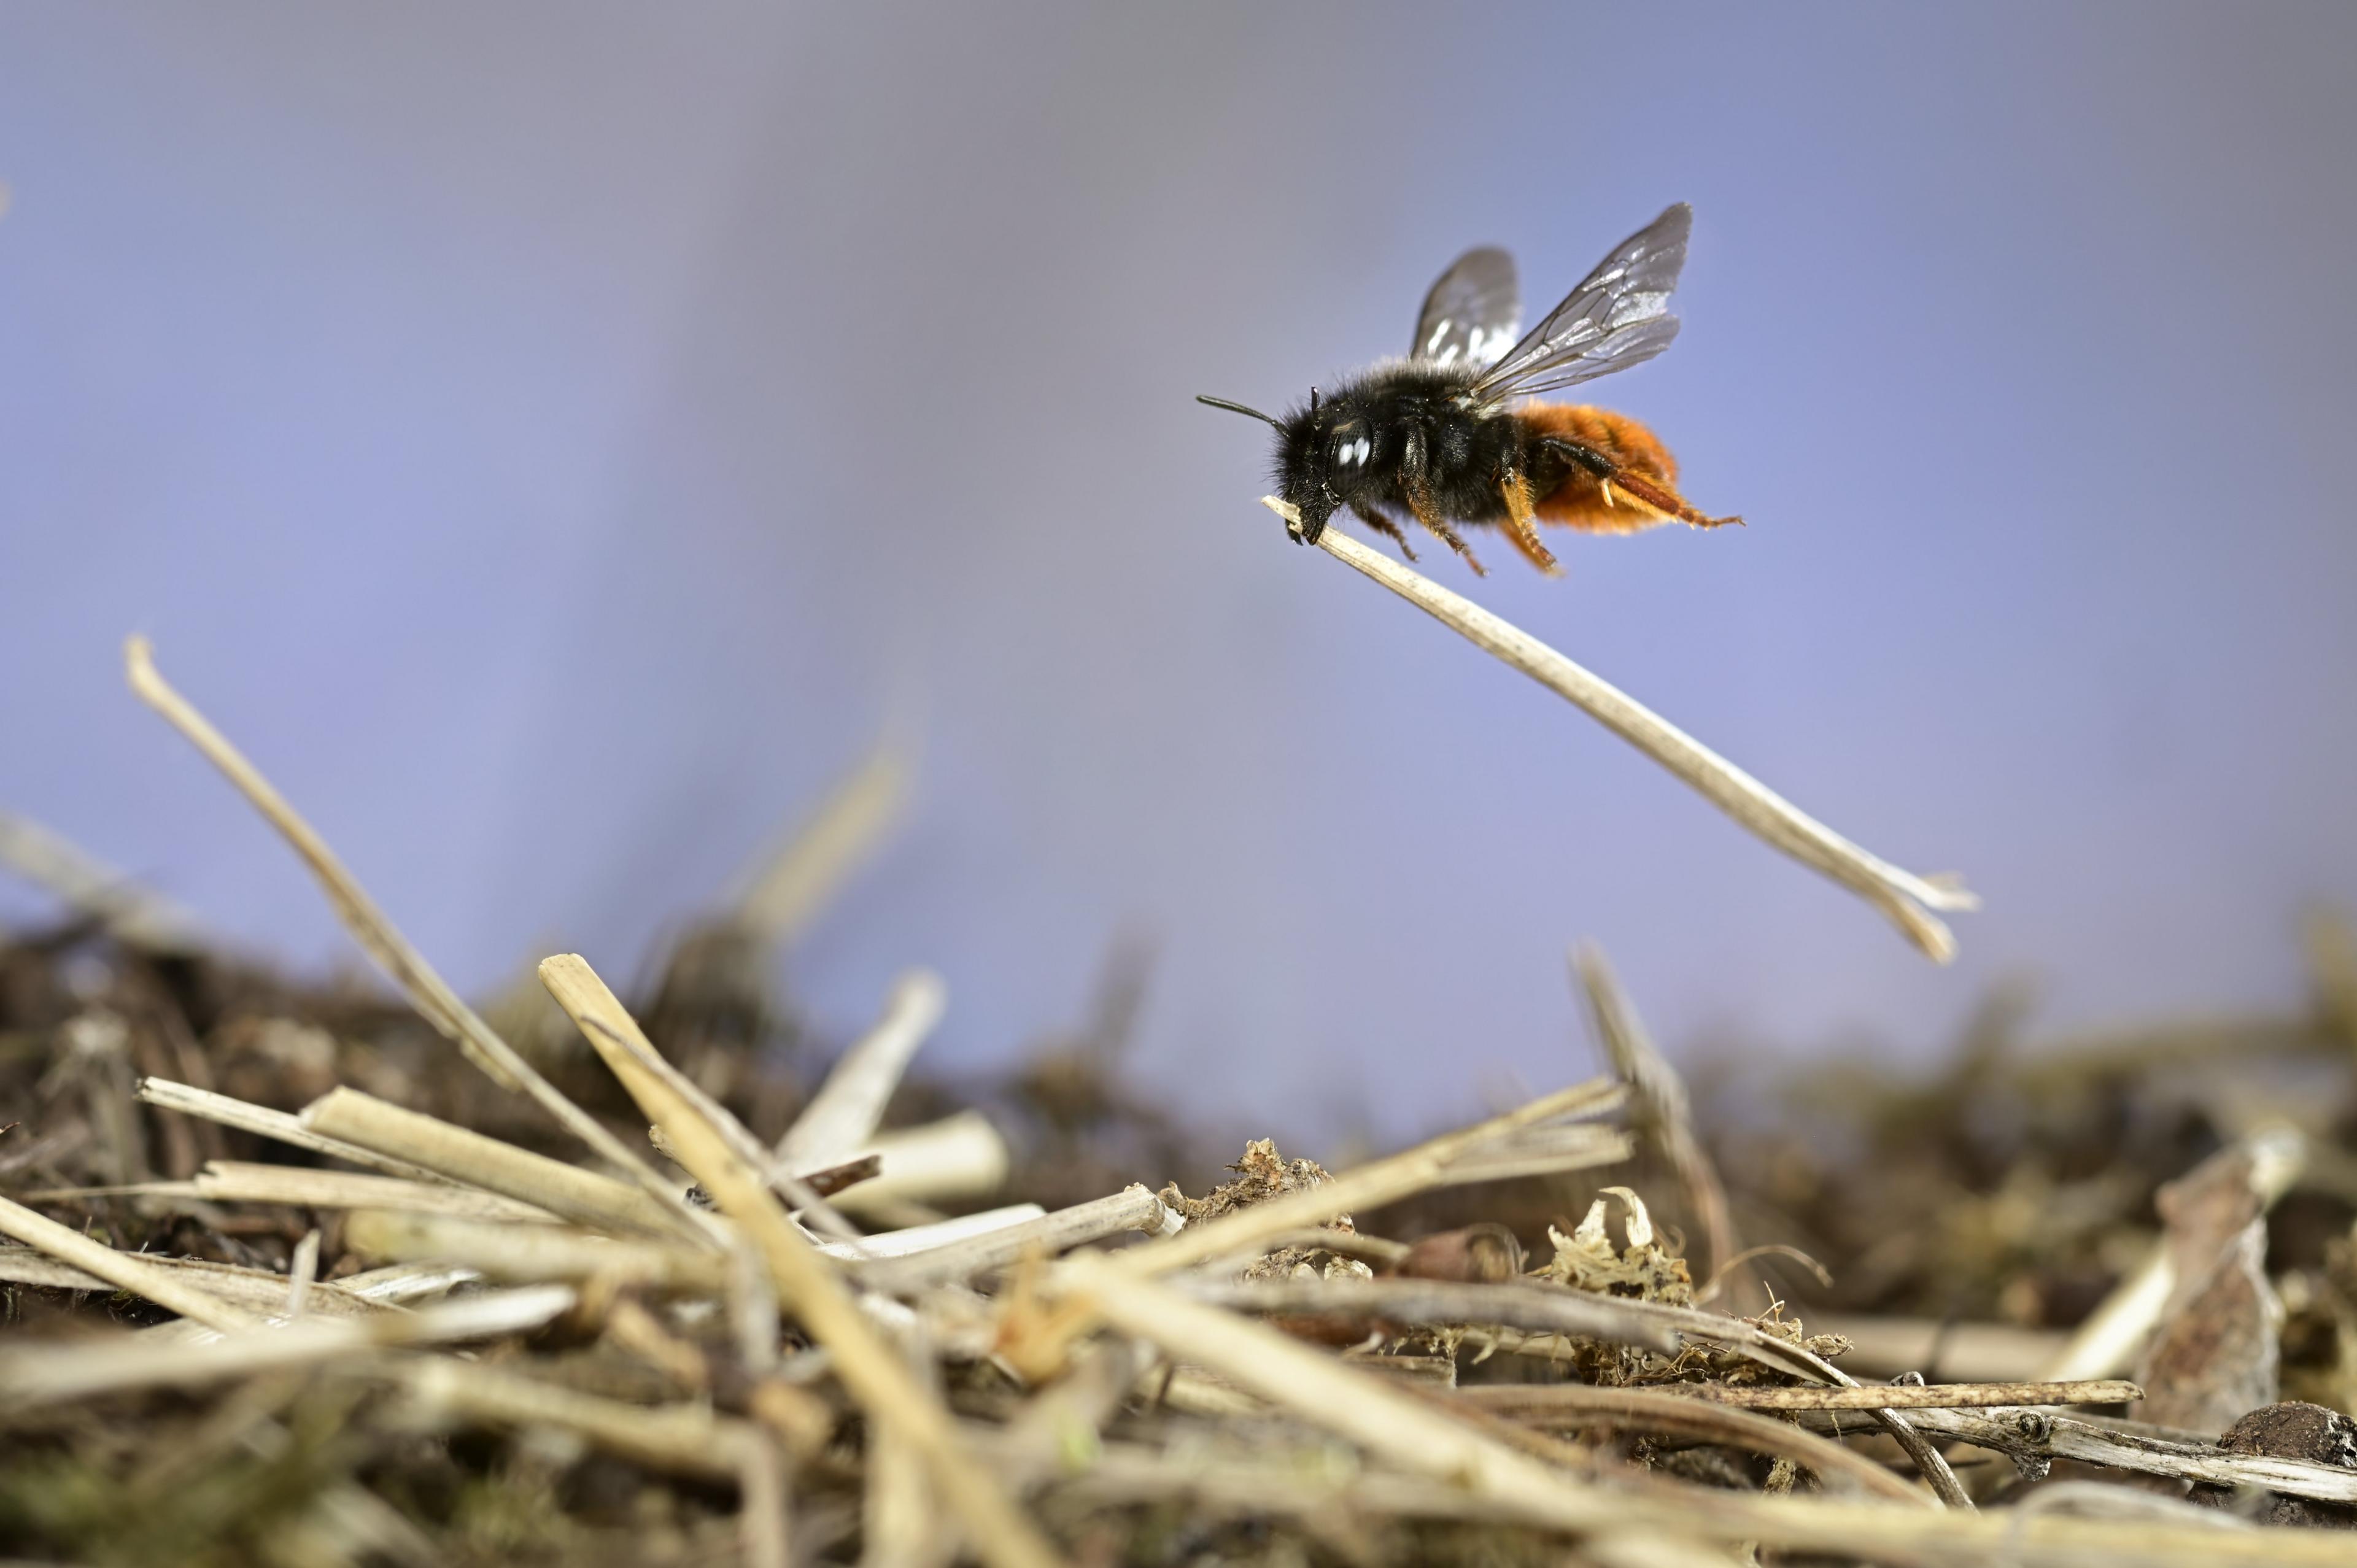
x=1237, y=408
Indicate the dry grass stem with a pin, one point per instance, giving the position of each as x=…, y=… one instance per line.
x=377, y=935
x=469, y=1158
x=167, y=1288
x=519, y=1254
x=678, y=1439
x=809, y=1287
x=915, y=1240
x=780, y=900
x=850, y=1106
x=1539, y=1152
x=122, y=1362
x=262, y=1291
x=1133, y=1209
x=236, y=1181
x=953, y=1160
x=1905, y=897
x=278, y=1125
x=139, y=916
x=1658, y=1096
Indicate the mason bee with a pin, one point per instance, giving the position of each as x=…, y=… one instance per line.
x=1431, y=436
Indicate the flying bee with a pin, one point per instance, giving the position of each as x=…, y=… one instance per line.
x=1431, y=435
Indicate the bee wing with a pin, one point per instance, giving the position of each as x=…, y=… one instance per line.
x=1618, y=317
x=1472, y=313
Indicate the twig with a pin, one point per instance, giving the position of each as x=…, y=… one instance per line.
x=2030, y=1433
x=268, y=1123
x=848, y=1107
x=1660, y=1096
x=167, y=1289
x=1906, y=898
x=383, y=941
x=809, y=1287
x=465, y=1156
x=1658, y=1410
x=1368, y=1187
x=1915, y=1396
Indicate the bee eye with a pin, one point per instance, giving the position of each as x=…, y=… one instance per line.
x=1352, y=453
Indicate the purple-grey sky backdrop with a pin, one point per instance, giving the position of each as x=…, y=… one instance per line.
x=439, y=384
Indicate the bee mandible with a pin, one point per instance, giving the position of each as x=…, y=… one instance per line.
x=1431, y=436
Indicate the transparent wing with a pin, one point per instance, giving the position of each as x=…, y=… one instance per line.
x=1472, y=313
x=1617, y=317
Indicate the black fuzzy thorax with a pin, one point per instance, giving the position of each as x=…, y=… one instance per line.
x=1421, y=425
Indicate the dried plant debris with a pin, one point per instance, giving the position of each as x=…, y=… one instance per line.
x=1261, y=1175
x=2214, y=1353
x=2292, y=1431
x=284, y=1283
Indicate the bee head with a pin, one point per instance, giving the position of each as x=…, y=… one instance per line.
x=1304, y=471
x=1306, y=465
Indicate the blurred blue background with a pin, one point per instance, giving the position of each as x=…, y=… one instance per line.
x=552, y=438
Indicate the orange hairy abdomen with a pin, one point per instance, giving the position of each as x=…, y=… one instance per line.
x=1579, y=501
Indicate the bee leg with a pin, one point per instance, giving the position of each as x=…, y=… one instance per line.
x=1621, y=486
x=1385, y=527
x=1522, y=523
x=1415, y=489
x=1420, y=502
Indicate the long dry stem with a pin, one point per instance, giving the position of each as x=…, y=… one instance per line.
x=382, y=941
x=278, y=1125
x=1662, y=1108
x=1905, y=897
